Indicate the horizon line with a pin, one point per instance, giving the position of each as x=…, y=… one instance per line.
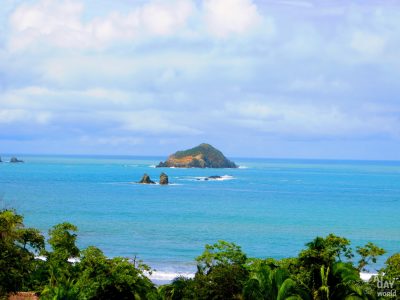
x=230, y=157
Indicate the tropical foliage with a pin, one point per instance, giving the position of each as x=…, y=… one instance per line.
x=324, y=270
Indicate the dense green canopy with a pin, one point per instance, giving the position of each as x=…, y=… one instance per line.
x=323, y=270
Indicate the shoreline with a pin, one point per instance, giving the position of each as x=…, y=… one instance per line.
x=166, y=276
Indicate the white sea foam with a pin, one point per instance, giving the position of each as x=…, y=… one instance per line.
x=152, y=166
x=71, y=259
x=74, y=260
x=224, y=177
x=243, y=167
x=207, y=178
x=167, y=276
x=367, y=276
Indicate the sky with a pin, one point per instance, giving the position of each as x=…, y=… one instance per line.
x=266, y=78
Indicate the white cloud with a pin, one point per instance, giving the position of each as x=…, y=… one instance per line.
x=57, y=22
x=368, y=43
x=251, y=109
x=310, y=120
x=318, y=84
x=108, y=109
x=225, y=17
x=13, y=116
x=165, y=69
x=151, y=121
x=111, y=140
x=163, y=18
x=60, y=23
x=41, y=98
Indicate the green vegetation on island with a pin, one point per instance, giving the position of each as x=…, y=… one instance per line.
x=323, y=270
x=202, y=156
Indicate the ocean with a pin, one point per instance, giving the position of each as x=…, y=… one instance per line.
x=270, y=207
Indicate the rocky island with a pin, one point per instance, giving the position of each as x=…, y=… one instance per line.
x=146, y=180
x=163, y=179
x=202, y=156
x=15, y=160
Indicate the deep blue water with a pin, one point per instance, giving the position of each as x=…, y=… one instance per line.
x=269, y=207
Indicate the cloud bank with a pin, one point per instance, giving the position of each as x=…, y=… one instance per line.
x=257, y=78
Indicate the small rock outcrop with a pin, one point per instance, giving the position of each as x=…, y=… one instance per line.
x=163, y=178
x=202, y=156
x=15, y=160
x=0, y=160
x=146, y=180
x=213, y=177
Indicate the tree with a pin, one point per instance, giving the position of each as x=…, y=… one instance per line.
x=369, y=254
x=323, y=292
x=18, y=246
x=392, y=266
x=321, y=252
x=63, y=240
x=61, y=272
x=117, y=278
x=345, y=283
x=179, y=288
x=269, y=281
x=64, y=290
x=57, y=274
x=221, y=253
x=221, y=272
x=390, y=273
x=325, y=251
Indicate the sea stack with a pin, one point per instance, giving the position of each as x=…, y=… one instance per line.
x=202, y=156
x=163, y=178
x=146, y=180
x=15, y=160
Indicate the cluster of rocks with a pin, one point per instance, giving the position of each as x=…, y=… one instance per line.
x=147, y=180
x=14, y=160
x=213, y=177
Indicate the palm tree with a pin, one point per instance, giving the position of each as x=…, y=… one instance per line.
x=175, y=290
x=322, y=293
x=342, y=283
x=64, y=290
x=346, y=283
x=267, y=283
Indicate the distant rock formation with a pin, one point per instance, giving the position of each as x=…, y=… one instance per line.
x=15, y=160
x=213, y=177
x=163, y=178
x=0, y=160
x=146, y=180
x=202, y=156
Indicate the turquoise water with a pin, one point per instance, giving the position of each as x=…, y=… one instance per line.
x=269, y=207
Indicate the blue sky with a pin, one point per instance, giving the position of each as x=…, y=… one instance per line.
x=271, y=78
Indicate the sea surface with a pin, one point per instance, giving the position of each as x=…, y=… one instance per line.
x=269, y=207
